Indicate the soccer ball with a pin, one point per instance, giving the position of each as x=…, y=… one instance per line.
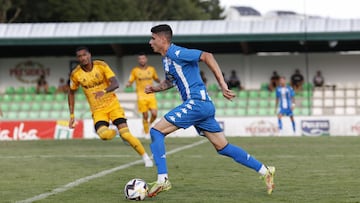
x=136, y=189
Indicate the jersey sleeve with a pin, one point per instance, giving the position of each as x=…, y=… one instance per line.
x=132, y=75
x=292, y=92
x=277, y=93
x=74, y=84
x=108, y=72
x=188, y=54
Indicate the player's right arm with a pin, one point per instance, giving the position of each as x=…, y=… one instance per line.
x=71, y=102
x=131, y=78
x=277, y=101
x=73, y=86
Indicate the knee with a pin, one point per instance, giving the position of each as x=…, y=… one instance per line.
x=105, y=133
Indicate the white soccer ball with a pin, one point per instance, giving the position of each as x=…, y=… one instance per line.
x=136, y=189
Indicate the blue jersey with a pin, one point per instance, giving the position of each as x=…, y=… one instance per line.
x=285, y=96
x=182, y=69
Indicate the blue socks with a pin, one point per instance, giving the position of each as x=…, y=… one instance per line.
x=293, y=126
x=280, y=124
x=158, y=150
x=240, y=156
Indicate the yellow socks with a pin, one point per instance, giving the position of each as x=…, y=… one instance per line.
x=133, y=141
x=105, y=133
x=146, y=126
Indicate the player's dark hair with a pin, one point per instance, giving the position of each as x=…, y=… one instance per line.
x=141, y=54
x=82, y=48
x=163, y=28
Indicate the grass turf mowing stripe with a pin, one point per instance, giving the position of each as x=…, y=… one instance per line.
x=100, y=174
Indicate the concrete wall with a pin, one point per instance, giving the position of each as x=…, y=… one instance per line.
x=252, y=70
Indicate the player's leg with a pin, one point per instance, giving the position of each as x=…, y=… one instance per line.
x=117, y=116
x=143, y=109
x=101, y=122
x=152, y=105
x=242, y=157
x=280, y=124
x=293, y=123
x=158, y=133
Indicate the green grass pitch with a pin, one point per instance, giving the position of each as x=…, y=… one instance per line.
x=309, y=169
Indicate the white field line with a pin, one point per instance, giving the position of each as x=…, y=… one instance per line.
x=99, y=174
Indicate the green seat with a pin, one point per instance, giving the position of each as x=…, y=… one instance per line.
x=10, y=90
x=242, y=103
x=25, y=106
x=7, y=98
x=28, y=98
x=46, y=106
x=52, y=89
x=231, y=104
x=129, y=89
x=79, y=106
x=65, y=106
x=220, y=103
x=273, y=95
x=243, y=94
x=5, y=107
x=263, y=112
x=66, y=115
x=272, y=103
x=230, y=112
x=80, y=97
x=297, y=111
x=20, y=90
x=308, y=86
x=264, y=103
x=168, y=95
x=12, y=115
x=219, y=94
x=60, y=97
x=305, y=112
x=39, y=98
x=264, y=95
x=167, y=105
x=87, y=115
x=31, y=90
x=36, y=106
x=253, y=103
x=55, y=114
x=44, y=115
x=17, y=98
x=159, y=95
x=306, y=103
x=264, y=86
x=220, y=112
x=251, y=111
x=213, y=87
x=49, y=97
x=160, y=105
x=57, y=106
x=33, y=115
x=306, y=94
x=241, y=112
x=23, y=115
x=14, y=107
x=253, y=94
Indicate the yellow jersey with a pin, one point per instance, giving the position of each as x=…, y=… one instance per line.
x=93, y=81
x=143, y=78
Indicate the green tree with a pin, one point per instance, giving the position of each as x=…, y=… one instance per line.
x=114, y=10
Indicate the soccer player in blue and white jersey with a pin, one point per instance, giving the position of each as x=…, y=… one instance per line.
x=285, y=103
x=182, y=71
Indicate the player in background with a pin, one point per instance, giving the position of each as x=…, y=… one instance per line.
x=285, y=103
x=99, y=82
x=182, y=70
x=144, y=75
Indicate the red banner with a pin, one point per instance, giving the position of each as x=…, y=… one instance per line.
x=35, y=130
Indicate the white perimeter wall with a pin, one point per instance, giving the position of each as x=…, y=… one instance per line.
x=252, y=70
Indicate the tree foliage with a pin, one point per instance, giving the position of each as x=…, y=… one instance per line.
x=107, y=10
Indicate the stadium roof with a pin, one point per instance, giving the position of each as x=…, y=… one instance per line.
x=131, y=35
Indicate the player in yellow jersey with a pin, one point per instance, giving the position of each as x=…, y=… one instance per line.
x=99, y=82
x=144, y=75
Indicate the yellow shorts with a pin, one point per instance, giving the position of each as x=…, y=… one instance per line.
x=111, y=113
x=145, y=105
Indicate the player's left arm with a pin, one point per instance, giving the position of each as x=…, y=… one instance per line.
x=164, y=85
x=114, y=84
x=210, y=61
x=155, y=76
